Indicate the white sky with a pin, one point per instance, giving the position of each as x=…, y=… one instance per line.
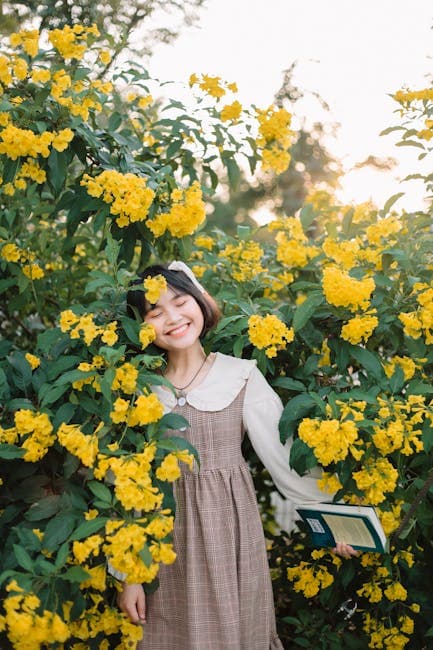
x=354, y=54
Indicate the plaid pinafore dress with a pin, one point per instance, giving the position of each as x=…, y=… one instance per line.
x=218, y=594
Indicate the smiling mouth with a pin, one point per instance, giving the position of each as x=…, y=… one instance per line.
x=178, y=331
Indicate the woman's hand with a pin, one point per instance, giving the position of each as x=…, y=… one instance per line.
x=345, y=550
x=132, y=602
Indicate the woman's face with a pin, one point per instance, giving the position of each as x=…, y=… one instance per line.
x=177, y=319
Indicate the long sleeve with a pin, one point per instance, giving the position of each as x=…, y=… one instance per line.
x=262, y=412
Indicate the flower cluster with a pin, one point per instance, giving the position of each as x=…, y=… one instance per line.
x=31, y=269
x=342, y=290
x=187, y=213
x=34, y=432
x=154, y=287
x=146, y=409
x=127, y=194
x=331, y=440
x=309, y=578
x=359, y=328
x=85, y=447
x=213, y=86
x=420, y=321
x=245, y=260
x=86, y=327
x=71, y=42
x=269, y=333
x=16, y=142
x=274, y=138
x=27, y=627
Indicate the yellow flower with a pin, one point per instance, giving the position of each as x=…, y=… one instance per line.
x=244, y=260
x=186, y=215
x=396, y=591
x=154, y=287
x=147, y=409
x=359, y=329
x=105, y=57
x=144, y=102
x=146, y=335
x=62, y=139
x=342, y=290
x=125, y=378
x=231, y=112
x=33, y=360
x=269, y=332
x=10, y=253
x=83, y=446
x=330, y=439
x=169, y=469
x=41, y=76
x=127, y=194
x=28, y=39
x=33, y=271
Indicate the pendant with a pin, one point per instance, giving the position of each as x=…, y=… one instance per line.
x=181, y=399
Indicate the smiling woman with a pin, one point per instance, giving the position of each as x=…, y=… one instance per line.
x=217, y=594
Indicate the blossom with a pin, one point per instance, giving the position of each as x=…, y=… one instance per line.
x=125, y=378
x=85, y=447
x=377, y=477
x=36, y=431
x=154, y=287
x=127, y=194
x=359, y=328
x=231, y=112
x=269, y=332
x=330, y=440
x=146, y=335
x=244, y=260
x=147, y=409
x=33, y=360
x=185, y=216
x=11, y=253
x=27, y=39
x=342, y=290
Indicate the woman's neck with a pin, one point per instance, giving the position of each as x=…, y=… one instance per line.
x=181, y=363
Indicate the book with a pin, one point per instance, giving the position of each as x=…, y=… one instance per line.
x=359, y=526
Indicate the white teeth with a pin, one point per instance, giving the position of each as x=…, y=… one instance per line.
x=179, y=330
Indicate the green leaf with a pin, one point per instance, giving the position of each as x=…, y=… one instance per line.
x=44, y=508
x=289, y=384
x=173, y=421
x=89, y=527
x=390, y=202
x=176, y=443
x=58, y=530
x=302, y=457
x=307, y=216
x=100, y=490
x=304, y=312
x=57, y=169
x=76, y=574
x=146, y=555
x=114, y=122
x=23, y=558
x=8, y=452
x=369, y=361
x=295, y=409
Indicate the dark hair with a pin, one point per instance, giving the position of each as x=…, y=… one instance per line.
x=177, y=280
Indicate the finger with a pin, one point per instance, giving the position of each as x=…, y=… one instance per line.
x=141, y=606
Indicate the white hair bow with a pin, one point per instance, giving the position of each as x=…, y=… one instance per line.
x=177, y=265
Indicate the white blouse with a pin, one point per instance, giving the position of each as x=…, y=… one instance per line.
x=261, y=414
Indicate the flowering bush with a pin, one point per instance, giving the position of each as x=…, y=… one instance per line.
x=334, y=304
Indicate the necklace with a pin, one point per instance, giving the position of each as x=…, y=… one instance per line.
x=180, y=390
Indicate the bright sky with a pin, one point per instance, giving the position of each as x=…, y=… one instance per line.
x=354, y=54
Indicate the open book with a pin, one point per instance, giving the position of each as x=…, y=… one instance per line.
x=359, y=526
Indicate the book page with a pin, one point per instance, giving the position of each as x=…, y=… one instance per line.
x=349, y=530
